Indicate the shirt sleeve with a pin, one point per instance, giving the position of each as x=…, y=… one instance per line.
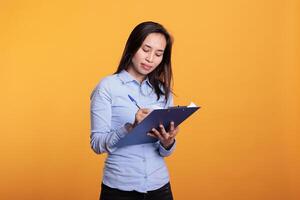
x=162, y=151
x=103, y=138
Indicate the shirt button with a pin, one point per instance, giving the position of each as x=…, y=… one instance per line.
x=144, y=160
x=145, y=177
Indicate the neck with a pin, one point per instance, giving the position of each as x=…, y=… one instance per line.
x=137, y=76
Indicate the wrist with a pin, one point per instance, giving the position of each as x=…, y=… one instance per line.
x=168, y=145
x=128, y=126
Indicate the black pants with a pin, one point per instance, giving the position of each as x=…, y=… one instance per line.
x=163, y=193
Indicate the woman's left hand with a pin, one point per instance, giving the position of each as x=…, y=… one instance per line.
x=166, y=138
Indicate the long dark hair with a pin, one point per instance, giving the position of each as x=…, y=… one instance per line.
x=162, y=74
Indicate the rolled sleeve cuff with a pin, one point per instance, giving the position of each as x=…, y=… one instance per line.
x=121, y=132
x=166, y=152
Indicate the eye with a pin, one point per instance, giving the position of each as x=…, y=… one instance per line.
x=145, y=50
x=159, y=55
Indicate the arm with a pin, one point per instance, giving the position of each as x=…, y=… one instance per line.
x=103, y=138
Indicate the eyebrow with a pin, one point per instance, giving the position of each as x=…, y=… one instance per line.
x=151, y=48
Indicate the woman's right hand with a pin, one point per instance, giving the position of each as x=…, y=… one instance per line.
x=140, y=115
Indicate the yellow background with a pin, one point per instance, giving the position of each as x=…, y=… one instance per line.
x=238, y=59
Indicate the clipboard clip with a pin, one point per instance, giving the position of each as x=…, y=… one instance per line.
x=177, y=107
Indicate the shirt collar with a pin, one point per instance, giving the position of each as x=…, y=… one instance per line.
x=148, y=82
x=126, y=77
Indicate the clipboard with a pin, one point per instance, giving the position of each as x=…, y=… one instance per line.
x=138, y=135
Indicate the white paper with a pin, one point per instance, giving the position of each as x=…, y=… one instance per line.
x=192, y=105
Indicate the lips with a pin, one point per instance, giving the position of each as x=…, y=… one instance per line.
x=146, y=67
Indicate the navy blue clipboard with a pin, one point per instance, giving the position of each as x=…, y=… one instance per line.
x=139, y=134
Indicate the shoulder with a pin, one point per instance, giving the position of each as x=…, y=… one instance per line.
x=107, y=81
x=105, y=84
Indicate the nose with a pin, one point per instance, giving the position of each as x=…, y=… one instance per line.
x=149, y=57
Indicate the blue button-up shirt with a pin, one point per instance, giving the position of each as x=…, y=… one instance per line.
x=137, y=167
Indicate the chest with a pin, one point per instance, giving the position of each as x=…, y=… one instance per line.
x=123, y=109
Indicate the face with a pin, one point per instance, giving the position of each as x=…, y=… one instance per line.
x=148, y=56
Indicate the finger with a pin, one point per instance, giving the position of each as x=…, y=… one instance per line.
x=145, y=110
x=152, y=135
x=163, y=131
x=142, y=111
x=143, y=114
x=157, y=134
x=174, y=132
x=140, y=115
x=172, y=126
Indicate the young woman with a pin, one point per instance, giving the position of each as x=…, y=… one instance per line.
x=145, y=74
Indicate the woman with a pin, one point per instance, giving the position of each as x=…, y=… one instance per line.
x=145, y=74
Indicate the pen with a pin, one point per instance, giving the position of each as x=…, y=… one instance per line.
x=134, y=101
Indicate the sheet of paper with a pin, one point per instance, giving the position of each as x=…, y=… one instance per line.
x=192, y=105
